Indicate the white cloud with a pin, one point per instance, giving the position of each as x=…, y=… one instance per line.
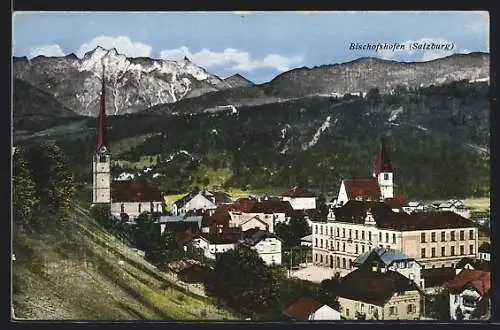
x=232, y=58
x=46, y=50
x=122, y=44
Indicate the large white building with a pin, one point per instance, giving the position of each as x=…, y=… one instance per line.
x=300, y=199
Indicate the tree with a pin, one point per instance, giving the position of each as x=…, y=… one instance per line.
x=243, y=281
x=102, y=214
x=373, y=96
x=25, y=199
x=53, y=177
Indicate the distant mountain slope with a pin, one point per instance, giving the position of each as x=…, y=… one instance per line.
x=238, y=80
x=29, y=101
x=133, y=84
x=75, y=270
x=365, y=73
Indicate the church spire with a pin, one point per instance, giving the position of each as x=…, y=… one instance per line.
x=383, y=163
x=102, y=140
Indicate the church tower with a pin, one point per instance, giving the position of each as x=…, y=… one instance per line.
x=102, y=157
x=383, y=172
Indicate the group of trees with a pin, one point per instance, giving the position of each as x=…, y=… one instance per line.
x=292, y=232
x=42, y=182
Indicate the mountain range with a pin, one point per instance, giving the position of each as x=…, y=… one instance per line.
x=308, y=126
x=136, y=84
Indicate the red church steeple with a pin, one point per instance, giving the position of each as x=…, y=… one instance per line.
x=383, y=163
x=102, y=140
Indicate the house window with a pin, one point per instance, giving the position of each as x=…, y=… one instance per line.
x=363, y=235
x=139, y=207
x=362, y=248
x=412, y=308
x=387, y=237
x=471, y=234
x=362, y=307
x=356, y=248
x=331, y=231
x=386, y=176
x=343, y=247
x=338, y=262
x=321, y=230
x=380, y=237
x=369, y=236
x=102, y=159
x=321, y=243
x=433, y=237
x=456, y=299
x=350, y=233
x=343, y=232
x=316, y=242
x=338, y=232
x=347, y=312
x=316, y=257
x=469, y=302
x=471, y=249
x=343, y=263
x=393, y=310
x=443, y=251
x=321, y=258
x=356, y=234
x=422, y=253
x=122, y=208
x=462, y=236
x=338, y=246
x=452, y=251
x=315, y=229
x=433, y=252
x=422, y=238
x=461, y=250
x=452, y=235
x=443, y=236
x=393, y=238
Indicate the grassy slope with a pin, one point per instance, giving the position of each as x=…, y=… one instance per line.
x=78, y=271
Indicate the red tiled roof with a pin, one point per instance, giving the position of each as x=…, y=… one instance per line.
x=243, y=205
x=302, y=308
x=272, y=206
x=362, y=187
x=298, y=192
x=468, y=277
x=397, y=202
x=383, y=163
x=134, y=191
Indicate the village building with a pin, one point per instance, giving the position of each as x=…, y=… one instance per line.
x=214, y=244
x=375, y=293
x=484, y=251
x=306, y=241
x=126, y=198
x=434, y=239
x=413, y=206
x=307, y=309
x=166, y=221
x=195, y=201
x=393, y=260
x=453, y=205
x=300, y=199
x=472, y=264
x=265, y=214
x=469, y=291
x=267, y=245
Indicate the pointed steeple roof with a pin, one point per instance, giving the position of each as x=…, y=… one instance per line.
x=102, y=140
x=383, y=163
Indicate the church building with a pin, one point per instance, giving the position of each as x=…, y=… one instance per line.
x=129, y=198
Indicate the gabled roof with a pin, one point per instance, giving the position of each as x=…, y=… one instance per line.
x=476, y=264
x=396, y=202
x=374, y=287
x=484, y=248
x=134, y=191
x=437, y=276
x=227, y=237
x=302, y=309
x=255, y=235
x=184, y=200
x=476, y=279
x=185, y=231
x=386, y=256
x=355, y=212
x=244, y=205
x=253, y=218
x=179, y=218
x=298, y=192
x=307, y=238
x=362, y=188
x=221, y=197
x=272, y=206
x=383, y=163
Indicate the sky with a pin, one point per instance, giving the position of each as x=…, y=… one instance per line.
x=257, y=45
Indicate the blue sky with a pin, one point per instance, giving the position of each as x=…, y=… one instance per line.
x=258, y=45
